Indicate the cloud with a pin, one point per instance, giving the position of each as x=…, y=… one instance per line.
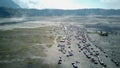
x=24, y=3
x=112, y=4
x=60, y=4
x=110, y=1
x=68, y=4
x=63, y=4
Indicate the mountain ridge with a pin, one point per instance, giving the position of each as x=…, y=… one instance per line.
x=19, y=12
x=8, y=4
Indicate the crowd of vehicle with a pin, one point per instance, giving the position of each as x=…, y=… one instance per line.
x=93, y=53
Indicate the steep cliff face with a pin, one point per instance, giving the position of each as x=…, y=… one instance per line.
x=8, y=4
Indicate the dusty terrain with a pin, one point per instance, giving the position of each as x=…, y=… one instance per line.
x=56, y=42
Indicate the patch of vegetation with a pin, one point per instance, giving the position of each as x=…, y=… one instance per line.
x=22, y=41
x=51, y=37
x=49, y=45
x=58, y=38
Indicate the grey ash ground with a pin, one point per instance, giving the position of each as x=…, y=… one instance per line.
x=60, y=42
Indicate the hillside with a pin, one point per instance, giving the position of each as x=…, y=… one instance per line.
x=18, y=12
x=8, y=4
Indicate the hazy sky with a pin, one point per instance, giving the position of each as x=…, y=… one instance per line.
x=69, y=4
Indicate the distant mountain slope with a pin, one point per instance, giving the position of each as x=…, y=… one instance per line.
x=10, y=12
x=8, y=4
